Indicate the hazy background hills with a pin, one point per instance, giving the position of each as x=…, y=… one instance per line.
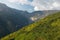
x=11, y=19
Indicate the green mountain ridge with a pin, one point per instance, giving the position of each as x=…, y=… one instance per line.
x=47, y=28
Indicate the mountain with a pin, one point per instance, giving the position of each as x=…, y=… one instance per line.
x=36, y=15
x=11, y=20
x=47, y=28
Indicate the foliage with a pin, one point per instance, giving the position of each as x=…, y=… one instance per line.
x=47, y=28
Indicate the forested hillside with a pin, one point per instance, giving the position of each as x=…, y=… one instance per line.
x=47, y=28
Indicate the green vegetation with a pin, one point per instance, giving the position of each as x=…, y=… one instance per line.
x=47, y=28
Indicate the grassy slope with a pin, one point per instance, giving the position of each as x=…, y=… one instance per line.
x=45, y=29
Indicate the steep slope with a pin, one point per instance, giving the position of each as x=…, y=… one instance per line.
x=45, y=29
x=11, y=20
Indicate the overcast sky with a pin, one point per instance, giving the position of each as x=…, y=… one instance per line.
x=33, y=5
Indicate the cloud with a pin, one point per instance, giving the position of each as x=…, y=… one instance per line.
x=30, y=0
x=12, y=1
x=36, y=8
x=19, y=1
x=24, y=2
x=46, y=4
x=56, y=4
x=40, y=4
